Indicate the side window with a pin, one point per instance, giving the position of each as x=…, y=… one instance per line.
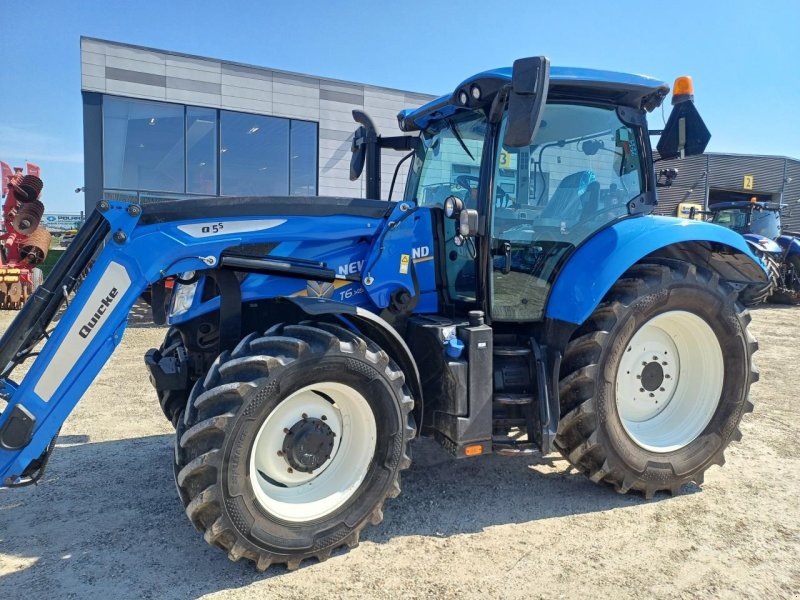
x=452, y=160
x=577, y=176
x=584, y=163
x=450, y=166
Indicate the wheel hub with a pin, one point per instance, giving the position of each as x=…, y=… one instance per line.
x=308, y=444
x=652, y=376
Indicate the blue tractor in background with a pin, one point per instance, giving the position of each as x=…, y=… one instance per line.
x=760, y=224
x=519, y=298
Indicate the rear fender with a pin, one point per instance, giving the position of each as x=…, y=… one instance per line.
x=790, y=245
x=594, y=267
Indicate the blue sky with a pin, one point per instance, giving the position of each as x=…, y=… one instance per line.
x=744, y=56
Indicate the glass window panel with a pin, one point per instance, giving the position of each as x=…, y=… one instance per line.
x=254, y=155
x=201, y=150
x=143, y=145
x=303, y=159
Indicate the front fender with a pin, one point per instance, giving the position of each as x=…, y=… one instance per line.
x=600, y=261
x=764, y=244
x=376, y=329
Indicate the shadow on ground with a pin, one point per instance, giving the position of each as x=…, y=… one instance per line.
x=107, y=522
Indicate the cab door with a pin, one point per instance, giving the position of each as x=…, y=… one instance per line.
x=579, y=174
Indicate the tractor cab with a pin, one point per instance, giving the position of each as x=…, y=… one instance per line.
x=535, y=189
x=759, y=218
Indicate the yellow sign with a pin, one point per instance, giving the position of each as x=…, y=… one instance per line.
x=749, y=182
x=404, y=260
x=505, y=160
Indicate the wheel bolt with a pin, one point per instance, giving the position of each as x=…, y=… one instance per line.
x=667, y=376
x=652, y=395
x=655, y=358
x=661, y=389
x=290, y=470
x=324, y=418
x=664, y=363
x=638, y=377
x=644, y=364
x=286, y=430
x=641, y=389
x=280, y=452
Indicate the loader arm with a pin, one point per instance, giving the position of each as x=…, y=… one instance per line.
x=126, y=249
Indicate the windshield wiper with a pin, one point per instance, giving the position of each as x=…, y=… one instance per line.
x=458, y=137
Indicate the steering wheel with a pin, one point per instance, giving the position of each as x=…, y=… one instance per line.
x=466, y=181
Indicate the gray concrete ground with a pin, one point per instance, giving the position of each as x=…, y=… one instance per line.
x=107, y=523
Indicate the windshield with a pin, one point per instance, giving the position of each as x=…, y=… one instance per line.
x=732, y=218
x=449, y=163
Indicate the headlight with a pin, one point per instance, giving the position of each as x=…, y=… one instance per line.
x=182, y=298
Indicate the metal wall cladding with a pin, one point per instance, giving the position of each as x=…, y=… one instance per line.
x=791, y=197
x=689, y=186
x=727, y=171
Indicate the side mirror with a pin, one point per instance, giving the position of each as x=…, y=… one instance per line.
x=363, y=136
x=685, y=133
x=530, y=80
x=359, y=150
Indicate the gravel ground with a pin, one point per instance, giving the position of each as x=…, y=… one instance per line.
x=107, y=523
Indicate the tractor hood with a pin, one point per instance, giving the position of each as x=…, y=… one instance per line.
x=636, y=91
x=266, y=206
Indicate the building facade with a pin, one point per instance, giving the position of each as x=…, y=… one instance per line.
x=161, y=125
x=712, y=177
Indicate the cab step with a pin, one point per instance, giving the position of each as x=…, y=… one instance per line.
x=509, y=399
x=506, y=446
x=511, y=351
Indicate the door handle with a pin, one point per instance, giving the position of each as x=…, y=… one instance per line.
x=506, y=247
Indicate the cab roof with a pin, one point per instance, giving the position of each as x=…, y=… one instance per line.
x=637, y=91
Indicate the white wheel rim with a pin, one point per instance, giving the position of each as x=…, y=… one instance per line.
x=296, y=496
x=669, y=381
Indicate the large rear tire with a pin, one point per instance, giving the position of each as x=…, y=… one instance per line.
x=291, y=444
x=654, y=384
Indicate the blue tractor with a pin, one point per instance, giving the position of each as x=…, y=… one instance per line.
x=760, y=224
x=519, y=298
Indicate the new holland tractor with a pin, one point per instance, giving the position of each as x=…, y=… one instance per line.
x=760, y=224
x=519, y=298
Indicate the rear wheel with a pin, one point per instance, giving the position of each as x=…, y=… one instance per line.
x=292, y=443
x=654, y=384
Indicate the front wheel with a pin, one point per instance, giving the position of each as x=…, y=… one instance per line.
x=654, y=384
x=758, y=294
x=291, y=444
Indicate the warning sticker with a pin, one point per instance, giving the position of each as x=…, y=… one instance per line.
x=404, y=260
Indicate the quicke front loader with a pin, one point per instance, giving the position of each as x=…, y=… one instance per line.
x=520, y=298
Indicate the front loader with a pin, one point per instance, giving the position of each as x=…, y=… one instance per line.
x=519, y=298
